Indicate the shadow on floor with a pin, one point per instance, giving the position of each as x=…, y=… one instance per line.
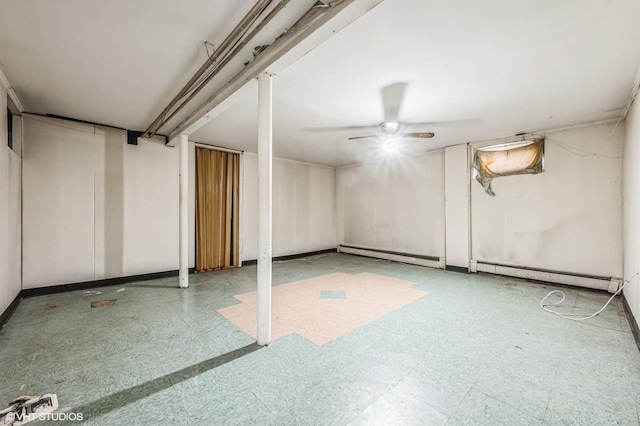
x=127, y=396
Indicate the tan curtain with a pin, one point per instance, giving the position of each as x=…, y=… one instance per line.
x=217, y=215
x=509, y=160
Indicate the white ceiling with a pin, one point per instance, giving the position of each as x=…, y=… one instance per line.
x=507, y=66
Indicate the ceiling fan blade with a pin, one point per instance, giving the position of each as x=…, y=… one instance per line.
x=417, y=135
x=444, y=123
x=363, y=137
x=340, y=128
x=392, y=97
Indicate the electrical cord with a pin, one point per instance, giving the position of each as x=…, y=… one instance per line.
x=578, y=317
x=580, y=152
x=332, y=4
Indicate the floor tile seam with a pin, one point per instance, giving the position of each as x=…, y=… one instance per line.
x=35, y=355
x=601, y=407
x=471, y=387
x=555, y=379
x=446, y=413
x=636, y=397
x=607, y=328
x=510, y=405
x=382, y=394
x=575, y=302
x=629, y=362
x=600, y=383
x=475, y=382
x=260, y=400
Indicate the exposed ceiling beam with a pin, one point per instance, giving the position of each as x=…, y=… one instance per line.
x=284, y=51
x=229, y=48
x=11, y=92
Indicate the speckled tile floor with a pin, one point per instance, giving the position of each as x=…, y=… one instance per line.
x=476, y=350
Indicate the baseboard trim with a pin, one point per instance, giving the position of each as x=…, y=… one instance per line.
x=632, y=320
x=396, y=253
x=459, y=269
x=292, y=256
x=43, y=291
x=11, y=309
x=411, y=258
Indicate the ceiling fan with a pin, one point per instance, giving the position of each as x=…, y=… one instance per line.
x=390, y=128
x=392, y=96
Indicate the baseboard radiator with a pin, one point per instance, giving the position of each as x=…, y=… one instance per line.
x=414, y=259
x=610, y=284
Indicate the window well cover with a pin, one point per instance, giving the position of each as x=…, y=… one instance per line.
x=508, y=160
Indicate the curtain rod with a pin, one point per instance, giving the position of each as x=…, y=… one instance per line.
x=217, y=148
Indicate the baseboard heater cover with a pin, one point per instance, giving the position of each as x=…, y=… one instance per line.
x=414, y=259
x=610, y=284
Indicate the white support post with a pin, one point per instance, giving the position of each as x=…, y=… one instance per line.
x=184, y=211
x=265, y=146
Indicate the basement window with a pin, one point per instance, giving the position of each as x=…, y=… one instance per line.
x=9, y=128
x=520, y=158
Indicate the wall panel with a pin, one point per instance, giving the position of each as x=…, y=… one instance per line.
x=303, y=207
x=10, y=214
x=150, y=208
x=58, y=202
x=457, y=206
x=396, y=206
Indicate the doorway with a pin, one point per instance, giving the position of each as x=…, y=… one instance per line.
x=217, y=209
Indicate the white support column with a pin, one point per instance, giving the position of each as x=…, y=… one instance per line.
x=265, y=146
x=184, y=211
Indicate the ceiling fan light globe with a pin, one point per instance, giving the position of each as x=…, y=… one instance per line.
x=390, y=145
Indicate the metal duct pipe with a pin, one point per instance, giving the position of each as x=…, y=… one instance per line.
x=228, y=42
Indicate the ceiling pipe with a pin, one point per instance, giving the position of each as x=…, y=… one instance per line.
x=313, y=19
x=232, y=39
x=11, y=93
x=220, y=65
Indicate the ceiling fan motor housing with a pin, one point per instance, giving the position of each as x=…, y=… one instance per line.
x=390, y=127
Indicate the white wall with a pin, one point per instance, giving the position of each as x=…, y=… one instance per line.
x=303, y=207
x=95, y=207
x=565, y=219
x=396, y=206
x=10, y=241
x=631, y=210
x=456, y=189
